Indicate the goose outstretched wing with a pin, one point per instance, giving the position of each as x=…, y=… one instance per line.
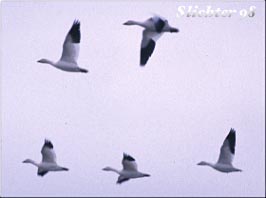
x=71, y=44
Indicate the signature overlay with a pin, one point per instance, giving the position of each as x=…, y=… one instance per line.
x=196, y=11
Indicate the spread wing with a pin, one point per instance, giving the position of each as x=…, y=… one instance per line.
x=227, y=150
x=71, y=44
x=48, y=154
x=129, y=163
x=147, y=45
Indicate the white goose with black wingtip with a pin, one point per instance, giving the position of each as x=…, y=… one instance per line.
x=227, y=152
x=68, y=60
x=154, y=28
x=48, y=160
x=129, y=171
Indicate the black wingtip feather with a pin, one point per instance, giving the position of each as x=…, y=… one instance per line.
x=75, y=31
x=146, y=52
x=42, y=173
x=159, y=25
x=121, y=180
x=48, y=143
x=231, y=137
x=128, y=157
x=232, y=130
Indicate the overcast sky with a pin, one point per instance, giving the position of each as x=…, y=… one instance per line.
x=169, y=115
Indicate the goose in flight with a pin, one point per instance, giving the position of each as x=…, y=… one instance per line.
x=227, y=151
x=154, y=28
x=68, y=60
x=129, y=171
x=48, y=160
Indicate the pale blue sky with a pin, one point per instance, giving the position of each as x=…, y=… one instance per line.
x=169, y=115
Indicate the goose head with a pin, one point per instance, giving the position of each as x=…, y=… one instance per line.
x=27, y=161
x=31, y=162
x=130, y=22
x=202, y=163
x=43, y=60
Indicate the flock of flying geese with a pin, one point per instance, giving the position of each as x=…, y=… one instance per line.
x=154, y=27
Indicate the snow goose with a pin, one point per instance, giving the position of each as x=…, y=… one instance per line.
x=48, y=160
x=227, y=151
x=154, y=28
x=129, y=171
x=68, y=60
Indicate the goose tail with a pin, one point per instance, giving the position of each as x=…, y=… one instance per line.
x=65, y=169
x=83, y=70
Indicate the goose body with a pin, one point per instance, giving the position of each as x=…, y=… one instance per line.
x=154, y=28
x=227, y=152
x=129, y=171
x=68, y=60
x=48, y=160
